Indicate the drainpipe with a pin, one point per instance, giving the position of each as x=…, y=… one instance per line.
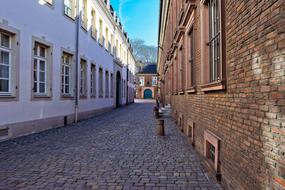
x=77, y=61
x=127, y=100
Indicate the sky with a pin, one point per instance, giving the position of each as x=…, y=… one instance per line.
x=139, y=18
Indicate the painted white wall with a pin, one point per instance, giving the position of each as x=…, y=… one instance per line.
x=42, y=21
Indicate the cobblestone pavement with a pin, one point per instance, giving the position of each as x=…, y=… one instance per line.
x=117, y=150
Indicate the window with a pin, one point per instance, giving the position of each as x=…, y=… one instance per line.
x=83, y=78
x=141, y=81
x=112, y=85
x=180, y=68
x=100, y=83
x=84, y=14
x=94, y=29
x=102, y=39
x=154, y=81
x=176, y=75
x=107, y=39
x=117, y=48
x=212, y=26
x=69, y=8
x=212, y=149
x=66, y=74
x=190, y=131
x=93, y=81
x=107, y=84
x=124, y=88
x=191, y=76
x=214, y=39
x=112, y=44
x=211, y=152
x=121, y=56
x=5, y=63
x=40, y=69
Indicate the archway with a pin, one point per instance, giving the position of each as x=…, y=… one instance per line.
x=118, y=89
x=147, y=94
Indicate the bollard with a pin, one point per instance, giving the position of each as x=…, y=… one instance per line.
x=65, y=120
x=160, y=127
x=156, y=112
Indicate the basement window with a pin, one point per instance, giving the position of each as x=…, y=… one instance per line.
x=212, y=150
x=190, y=131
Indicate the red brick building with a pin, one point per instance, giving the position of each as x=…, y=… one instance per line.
x=147, y=86
x=222, y=69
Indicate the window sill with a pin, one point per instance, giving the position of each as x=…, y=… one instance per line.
x=83, y=97
x=7, y=95
x=69, y=17
x=181, y=92
x=84, y=28
x=41, y=97
x=93, y=37
x=214, y=86
x=191, y=90
x=67, y=97
x=93, y=96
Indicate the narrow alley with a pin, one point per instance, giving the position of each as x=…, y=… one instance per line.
x=117, y=150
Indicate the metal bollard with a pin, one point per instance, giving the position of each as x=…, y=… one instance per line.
x=160, y=127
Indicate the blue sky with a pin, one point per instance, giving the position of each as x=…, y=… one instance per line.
x=140, y=18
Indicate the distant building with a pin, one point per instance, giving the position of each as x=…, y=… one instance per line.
x=147, y=82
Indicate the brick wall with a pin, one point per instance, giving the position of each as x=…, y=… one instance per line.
x=249, y=116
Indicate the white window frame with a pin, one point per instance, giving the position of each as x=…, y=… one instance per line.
x=93, y=80
x=83, y=78
x=9, y=51
x=68, y=8
x=101, y=88
x=112, y=85
x=38, y=58
x=84, y=16
x=106, y=84
x=141, y=79
x=154, y=80
x=64, y=66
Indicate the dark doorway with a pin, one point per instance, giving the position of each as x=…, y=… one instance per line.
x=147, y=94
x=118, y=89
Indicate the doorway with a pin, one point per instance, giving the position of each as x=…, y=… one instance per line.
x=147, y=94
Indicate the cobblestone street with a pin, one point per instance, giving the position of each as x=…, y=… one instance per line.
x=117, y=150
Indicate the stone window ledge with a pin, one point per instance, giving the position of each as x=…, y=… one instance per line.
x=214, y=86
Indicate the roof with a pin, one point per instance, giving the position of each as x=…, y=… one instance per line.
x=149, y=69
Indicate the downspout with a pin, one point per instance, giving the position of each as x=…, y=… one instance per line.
x=127, y=100
x=77, y=61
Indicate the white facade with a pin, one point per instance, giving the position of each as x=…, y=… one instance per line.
x=42, y=39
